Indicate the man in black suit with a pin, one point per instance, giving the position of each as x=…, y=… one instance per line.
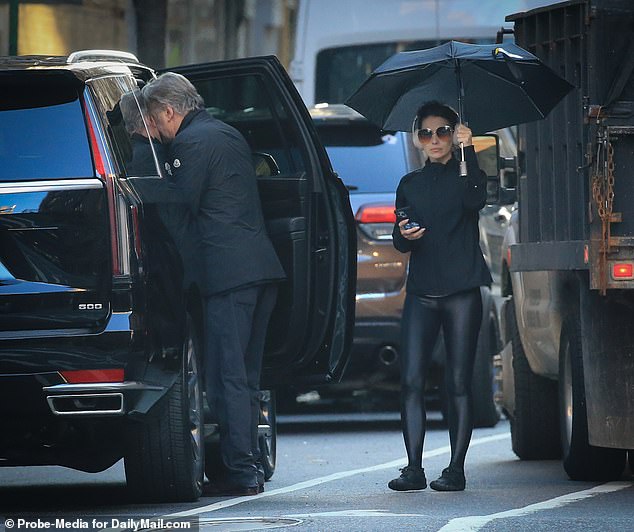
x=212, y=172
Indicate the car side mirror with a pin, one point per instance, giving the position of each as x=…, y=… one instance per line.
x=508, y=181
x=488, y=153
x=265, y=165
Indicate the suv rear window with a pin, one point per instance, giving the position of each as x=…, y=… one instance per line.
x=42, y=130
x=366, y=158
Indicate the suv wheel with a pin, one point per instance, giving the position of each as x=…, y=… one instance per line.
x=485, y=411
x=164, y=455
x=534, y=423
x=582, y=461
x=268, y=441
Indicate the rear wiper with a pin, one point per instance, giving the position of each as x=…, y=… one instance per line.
x=352, y=187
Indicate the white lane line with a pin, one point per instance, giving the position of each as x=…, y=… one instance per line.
x=354, y=513
x=328, y=478
x=473, y=523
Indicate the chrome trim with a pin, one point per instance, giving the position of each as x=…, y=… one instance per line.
x=20, y=229
x=117, y=411
x=101, y=387
x=49, y=185
x=376, y=295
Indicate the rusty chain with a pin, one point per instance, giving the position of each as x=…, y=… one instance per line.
x=603, y=194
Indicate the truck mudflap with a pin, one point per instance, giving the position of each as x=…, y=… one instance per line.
x=608, y=363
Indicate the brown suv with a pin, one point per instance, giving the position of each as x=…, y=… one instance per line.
x=371, y=162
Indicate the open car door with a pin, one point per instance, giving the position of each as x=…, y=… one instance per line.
x=307, y=214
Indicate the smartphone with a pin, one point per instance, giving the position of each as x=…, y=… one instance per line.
x=403, y=213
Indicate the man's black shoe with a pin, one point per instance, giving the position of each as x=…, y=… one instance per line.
x=450, y=480
x=229, y=489
x=412, y=478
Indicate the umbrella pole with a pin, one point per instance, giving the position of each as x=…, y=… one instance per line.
x=463, y=163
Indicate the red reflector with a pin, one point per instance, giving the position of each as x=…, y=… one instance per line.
x=376, y=214
x=96, y=153
x=93, y=375
x=623, y=270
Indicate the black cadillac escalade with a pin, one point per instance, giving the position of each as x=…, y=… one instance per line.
x=100, y=326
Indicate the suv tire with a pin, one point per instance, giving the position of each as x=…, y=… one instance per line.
x=534, y=423
x=268, y=441
x=164, y=454
x=581, y=460
x=485, y=411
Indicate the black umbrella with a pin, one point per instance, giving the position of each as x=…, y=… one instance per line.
x=490, y=85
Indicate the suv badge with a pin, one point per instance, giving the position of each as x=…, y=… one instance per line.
x=177, y=163
x=90, y=306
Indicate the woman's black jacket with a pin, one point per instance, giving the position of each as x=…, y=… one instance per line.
x=447, y=259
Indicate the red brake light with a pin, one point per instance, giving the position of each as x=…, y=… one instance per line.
x=376, y=214
x=623, y=270
x=93, y=375
x=96, y=152
x=110, y=190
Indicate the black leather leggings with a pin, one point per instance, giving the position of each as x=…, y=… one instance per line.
x=460, y=316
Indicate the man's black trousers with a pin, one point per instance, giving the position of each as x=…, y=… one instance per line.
x=236, y=325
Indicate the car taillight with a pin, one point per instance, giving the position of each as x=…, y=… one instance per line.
x=622, y=271
x=376, y=220
x=376, y=214
x=92, y=375
x=117, y=207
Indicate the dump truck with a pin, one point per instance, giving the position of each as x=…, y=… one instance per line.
x=567, y=370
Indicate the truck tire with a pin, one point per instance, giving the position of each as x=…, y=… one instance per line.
x=534, y=422
x=268, y=441
x=164, y=453
x=581, y=460
x=485, y=411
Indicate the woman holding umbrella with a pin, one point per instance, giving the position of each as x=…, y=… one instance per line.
x=438, y=223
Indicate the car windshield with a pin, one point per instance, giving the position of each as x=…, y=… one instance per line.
x=366, y=158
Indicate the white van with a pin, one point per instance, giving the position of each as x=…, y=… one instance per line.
x=340, y=42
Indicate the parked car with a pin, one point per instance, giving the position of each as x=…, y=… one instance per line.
x=371, y=162
x=100, y=326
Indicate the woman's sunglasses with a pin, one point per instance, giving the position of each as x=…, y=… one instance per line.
x=443, y=133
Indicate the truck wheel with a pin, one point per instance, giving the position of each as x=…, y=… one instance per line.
x=268, y=441
x=534, y=422
x=164, y=454
x=485, y=411
x=581, y=460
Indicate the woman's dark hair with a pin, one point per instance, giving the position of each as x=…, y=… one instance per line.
x=435, y=108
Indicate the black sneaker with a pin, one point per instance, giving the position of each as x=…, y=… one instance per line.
x=412, y=478
x=450, y=480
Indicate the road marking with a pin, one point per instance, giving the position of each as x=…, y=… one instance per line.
x=328, y=478
x=474, y=523
x=355, y=513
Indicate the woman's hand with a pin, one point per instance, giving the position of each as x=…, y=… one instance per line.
x=463, y=134
x=410, y=234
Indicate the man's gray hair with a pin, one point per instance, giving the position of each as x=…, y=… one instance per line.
x=131, y=106
x=174, y=90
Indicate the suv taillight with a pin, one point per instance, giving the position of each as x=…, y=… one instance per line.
x=117, y=207
x=376, y=220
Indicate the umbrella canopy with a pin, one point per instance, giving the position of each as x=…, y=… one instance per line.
x=490, y=85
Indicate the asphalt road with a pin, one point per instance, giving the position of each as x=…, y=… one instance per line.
x=332, y=475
